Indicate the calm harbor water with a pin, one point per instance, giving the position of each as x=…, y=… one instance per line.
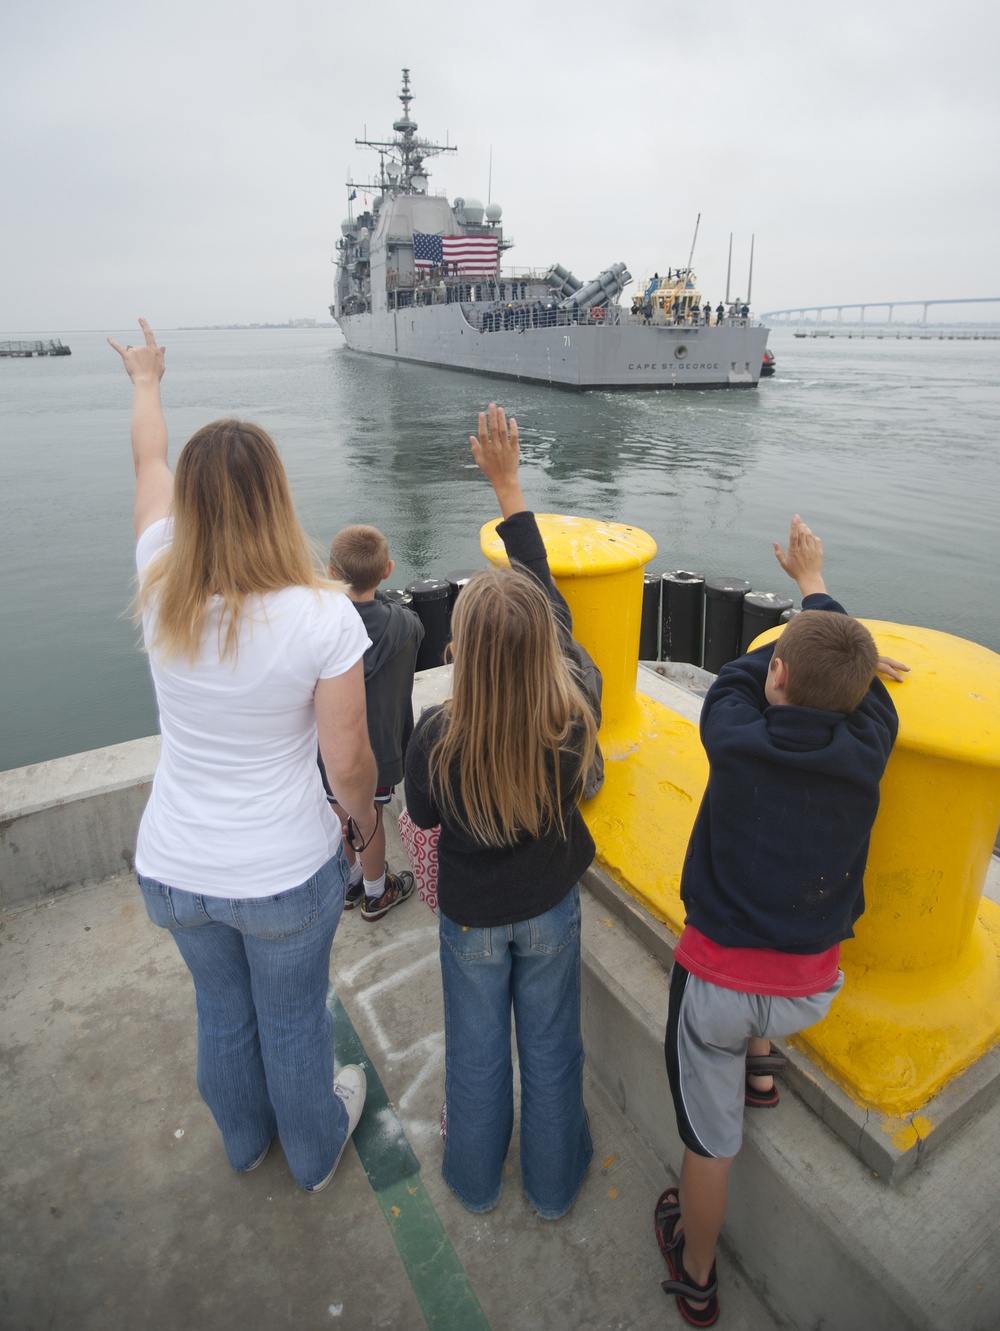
x=888, y=448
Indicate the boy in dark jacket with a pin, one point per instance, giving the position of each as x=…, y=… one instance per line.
x=359, y=556
x=797, y=735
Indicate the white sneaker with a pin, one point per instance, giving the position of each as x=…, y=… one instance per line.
x=350, y=1086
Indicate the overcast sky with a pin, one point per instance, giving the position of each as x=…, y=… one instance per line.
x=186, y=160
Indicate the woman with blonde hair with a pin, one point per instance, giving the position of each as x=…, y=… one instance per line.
x=501, y=766
x=252, y=653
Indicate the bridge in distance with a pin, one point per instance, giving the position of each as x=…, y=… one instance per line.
x=817, y=312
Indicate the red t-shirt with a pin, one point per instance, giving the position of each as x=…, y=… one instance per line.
x=758, y=970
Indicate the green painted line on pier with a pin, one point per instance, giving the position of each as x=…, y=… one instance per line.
x=436, y=1275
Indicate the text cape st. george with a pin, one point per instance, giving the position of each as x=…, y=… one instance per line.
x=463, y=254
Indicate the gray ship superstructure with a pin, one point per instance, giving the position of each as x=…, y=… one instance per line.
x=420, y=279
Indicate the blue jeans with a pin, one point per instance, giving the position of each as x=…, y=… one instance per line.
x=534, y=968
x=261, y=969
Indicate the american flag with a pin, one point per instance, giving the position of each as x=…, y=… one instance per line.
x=472, y=254
x=426, y=250
x=463, y=254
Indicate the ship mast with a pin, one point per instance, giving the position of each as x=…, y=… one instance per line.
x=406, y=152
x=750, y=278
x=694, y=241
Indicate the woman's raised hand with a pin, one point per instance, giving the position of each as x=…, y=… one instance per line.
x=154, y=485
x=142, y=362
x=497, y=455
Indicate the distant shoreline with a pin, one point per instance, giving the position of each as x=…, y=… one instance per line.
x=313, y=326
x=300, y=325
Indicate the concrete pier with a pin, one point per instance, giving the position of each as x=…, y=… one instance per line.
x=119, y=1209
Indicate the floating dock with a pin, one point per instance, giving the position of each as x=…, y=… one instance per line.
x=25, y=350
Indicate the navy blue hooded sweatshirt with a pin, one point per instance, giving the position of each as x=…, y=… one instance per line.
x=778, y=850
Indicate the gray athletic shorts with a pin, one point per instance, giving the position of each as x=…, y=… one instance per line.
x=706, y=1045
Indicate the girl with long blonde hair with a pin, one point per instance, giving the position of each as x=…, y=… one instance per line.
x=253, y=655
x=501, y=766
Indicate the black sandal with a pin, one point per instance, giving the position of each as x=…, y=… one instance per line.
x=762, y=1065
x=686, y=1292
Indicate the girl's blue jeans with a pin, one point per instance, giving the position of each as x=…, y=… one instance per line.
x=532, y=969
x=265, y=1037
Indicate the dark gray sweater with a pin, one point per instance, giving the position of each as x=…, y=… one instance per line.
x=396, y=633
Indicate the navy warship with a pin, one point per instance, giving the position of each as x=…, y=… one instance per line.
x=420, y=278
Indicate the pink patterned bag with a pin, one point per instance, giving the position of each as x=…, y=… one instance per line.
x=421, y=846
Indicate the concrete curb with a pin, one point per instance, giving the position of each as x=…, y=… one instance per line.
x=72, y=820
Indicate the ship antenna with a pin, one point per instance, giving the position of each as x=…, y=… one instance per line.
x=489, y=187
x=729, y=266
x=407, y=130
x=406, y=146
x=750, y=278
x=693, y=242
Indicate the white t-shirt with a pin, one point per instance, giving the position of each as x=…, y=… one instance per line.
x=237, y=807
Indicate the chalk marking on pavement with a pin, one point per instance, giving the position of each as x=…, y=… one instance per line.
x=436, y=1275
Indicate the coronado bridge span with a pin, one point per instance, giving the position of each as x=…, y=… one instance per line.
x=818, y=313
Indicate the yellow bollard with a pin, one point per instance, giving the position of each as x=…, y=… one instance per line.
x=598, y=567
x=655, y=766
x=921, y=1000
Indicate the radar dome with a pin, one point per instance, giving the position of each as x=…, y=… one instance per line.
x=493, y=212
x=346, y=226
x=473, y=212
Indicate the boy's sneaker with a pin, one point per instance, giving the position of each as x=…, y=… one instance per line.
x=354, y=895
x=398, y=886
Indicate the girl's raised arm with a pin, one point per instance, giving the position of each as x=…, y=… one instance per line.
x=497, y=455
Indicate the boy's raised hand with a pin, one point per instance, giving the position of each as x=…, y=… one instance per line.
x=803, y=560
x=497, y=455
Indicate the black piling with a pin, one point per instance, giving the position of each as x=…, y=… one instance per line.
x=683, y=604
x=761, y=611
x=649, y=632
x=456, y=580
x=431, y=602
x=723, y=620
